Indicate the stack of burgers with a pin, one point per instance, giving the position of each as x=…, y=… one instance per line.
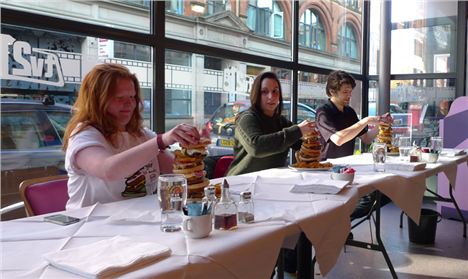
x=309, y=154
x=310, y=148
x=189, y=162
x=385, y=135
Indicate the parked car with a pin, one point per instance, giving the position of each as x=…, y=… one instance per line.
x=222, y=124
x=31, y=142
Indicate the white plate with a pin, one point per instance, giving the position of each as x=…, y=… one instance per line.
x=308, y=169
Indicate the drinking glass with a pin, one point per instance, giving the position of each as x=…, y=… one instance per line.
x=172, y=194
x=404, y=146
x=437, y=144
x=379, y=154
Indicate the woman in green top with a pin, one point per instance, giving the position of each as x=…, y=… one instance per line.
x=263, y=136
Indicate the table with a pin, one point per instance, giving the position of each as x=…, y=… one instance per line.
x=248, y=252
x=405, y=188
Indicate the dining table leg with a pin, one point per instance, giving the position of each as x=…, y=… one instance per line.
x=304, y=258
x=372, y=246
x=438, y=197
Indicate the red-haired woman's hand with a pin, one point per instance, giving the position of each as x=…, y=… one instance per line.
x=183, y=133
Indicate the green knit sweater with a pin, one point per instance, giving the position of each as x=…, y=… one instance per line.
x=262, y=142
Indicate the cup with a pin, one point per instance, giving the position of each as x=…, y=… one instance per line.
x=379, y=155
x=437, y=144
x=197, y=226
x=404, y=147
x=172, y=194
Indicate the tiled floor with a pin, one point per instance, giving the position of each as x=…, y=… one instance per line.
x=446, y=258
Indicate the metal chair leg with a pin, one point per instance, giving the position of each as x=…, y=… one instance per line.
x=401, y=219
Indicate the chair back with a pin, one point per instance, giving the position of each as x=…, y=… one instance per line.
x=222, y=166
x=44, y=195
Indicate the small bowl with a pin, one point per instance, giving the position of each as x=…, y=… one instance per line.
x=429, y=157
x=343, y=176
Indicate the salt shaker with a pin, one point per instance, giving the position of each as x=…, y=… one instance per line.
x=246, y=208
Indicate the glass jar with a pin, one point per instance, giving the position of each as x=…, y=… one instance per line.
x=225, y=211
x=246, y=208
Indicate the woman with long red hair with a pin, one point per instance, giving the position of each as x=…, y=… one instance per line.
x=109, y=154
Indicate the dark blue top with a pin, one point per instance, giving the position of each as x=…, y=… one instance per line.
x=330, y=120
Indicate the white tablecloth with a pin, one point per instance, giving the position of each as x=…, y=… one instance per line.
x=404, y=188
x=224, y=254
x=248, y=252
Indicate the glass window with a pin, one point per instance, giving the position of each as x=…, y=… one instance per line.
x=418, y=105
x=311, y=90
x=59, y=121
x=178, y=103
x=243, y=26
x=330, y=34
x=265, y=18
x=23, y=129
x=44, y=63
x=374, y=37
x=120, y=14
x=423, y=37
x=132, y=51
x=175, y=6
x=311, y=32
x=215, y=6
x=347, y=41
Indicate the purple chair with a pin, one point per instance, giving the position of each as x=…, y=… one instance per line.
x=44, y=195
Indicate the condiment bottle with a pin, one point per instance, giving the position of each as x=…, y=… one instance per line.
x=225, y=211
x=415, y=154
x=246, y=208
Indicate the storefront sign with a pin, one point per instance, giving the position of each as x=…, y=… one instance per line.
x=20, y=61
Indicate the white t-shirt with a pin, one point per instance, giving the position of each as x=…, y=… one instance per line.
x=85, y=190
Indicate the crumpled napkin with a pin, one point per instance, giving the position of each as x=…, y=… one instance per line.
x=319, y=186
x=133, y=216
x=109, y=257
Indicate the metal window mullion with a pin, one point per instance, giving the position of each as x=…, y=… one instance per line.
x=460, y=85
x=384, y=58
x=158, y=23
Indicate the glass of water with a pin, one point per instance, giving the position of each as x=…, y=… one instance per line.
x=379, y=154
x=404, y=146
x=172, y=194
x=437, y=144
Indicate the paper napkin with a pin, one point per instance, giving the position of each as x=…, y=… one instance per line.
x=107, y=258
x=134, y=216
x=449, y=152
x=319, y=186
x=405, y=166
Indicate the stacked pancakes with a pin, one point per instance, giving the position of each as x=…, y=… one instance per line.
x=308, y=155
x=310, y=148
x=189, y=162
x=385, y=135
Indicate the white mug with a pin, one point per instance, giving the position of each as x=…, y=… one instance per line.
x=197, y=226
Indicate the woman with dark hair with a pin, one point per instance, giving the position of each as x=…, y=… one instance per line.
x=263, y=136
x=109, y=154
